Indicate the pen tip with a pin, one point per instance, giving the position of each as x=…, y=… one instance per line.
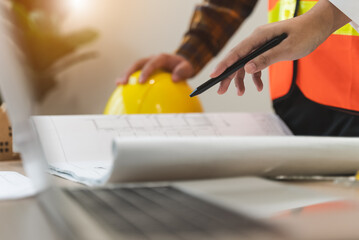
x=194, y=93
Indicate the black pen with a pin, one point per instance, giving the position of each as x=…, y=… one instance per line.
x=239, y=64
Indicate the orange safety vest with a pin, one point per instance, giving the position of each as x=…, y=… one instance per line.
x=329, y=75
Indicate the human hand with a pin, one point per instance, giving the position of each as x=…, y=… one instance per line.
x=177, y=65
x=305, y=34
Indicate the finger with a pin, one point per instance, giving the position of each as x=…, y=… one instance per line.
x=223, y=65
x=241, y=50
x=260, y=36
x=223, y=87
x=248, y=45
x=182, y=71
x=257, y=79
x=135, y=67
x=266, y=59
x=239, y=82
x=121, y=81
x=231, y=58
x=151, y=66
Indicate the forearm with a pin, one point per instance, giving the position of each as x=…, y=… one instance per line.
x=212, y=25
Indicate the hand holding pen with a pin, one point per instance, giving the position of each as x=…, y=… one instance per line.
x=230, y=70
x=251, y=66
x=305, y=33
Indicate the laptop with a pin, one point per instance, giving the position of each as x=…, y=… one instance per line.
x=126, y=211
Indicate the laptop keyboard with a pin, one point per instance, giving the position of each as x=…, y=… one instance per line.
x=164, y=213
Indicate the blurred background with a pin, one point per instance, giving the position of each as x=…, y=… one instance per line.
x=127, y=31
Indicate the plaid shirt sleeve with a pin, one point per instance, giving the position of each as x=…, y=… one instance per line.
x=212, y=25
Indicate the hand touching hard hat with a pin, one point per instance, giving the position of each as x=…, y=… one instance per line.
x=159, y=94
x=177, y=65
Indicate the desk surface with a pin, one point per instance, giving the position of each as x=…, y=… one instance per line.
x=20, y=212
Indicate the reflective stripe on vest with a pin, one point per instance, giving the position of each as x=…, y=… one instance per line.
x=329, y=75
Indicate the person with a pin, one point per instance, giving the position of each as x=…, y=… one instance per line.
x=313, y=78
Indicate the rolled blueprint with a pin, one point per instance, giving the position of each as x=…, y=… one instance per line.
x=175, y=158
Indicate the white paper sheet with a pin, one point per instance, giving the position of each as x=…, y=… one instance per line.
x=13, y=185
x=349, y=8
x=80, y=147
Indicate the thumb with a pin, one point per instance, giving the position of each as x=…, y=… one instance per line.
x=182, y=71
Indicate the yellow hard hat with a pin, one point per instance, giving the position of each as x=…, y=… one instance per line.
x=158, y=95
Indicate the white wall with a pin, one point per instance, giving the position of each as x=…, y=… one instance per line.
x=134, y=29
